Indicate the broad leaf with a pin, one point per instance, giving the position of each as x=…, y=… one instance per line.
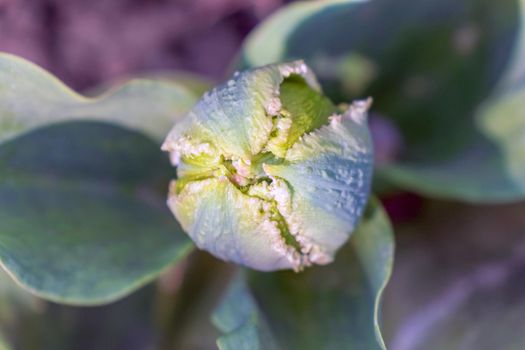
x=83, y=218
x=430, y=66
x=269, y=42
x=329, y=307
x=196, y=83
x=492, y=168
x=458, y=280
x=30, y=98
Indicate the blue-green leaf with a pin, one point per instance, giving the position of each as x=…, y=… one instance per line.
x=269, y=42
x=30, y=98
x=493, y=167
x=83, y=218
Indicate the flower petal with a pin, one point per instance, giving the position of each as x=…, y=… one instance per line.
x=232, y=225
x=236, y=117
x=330, y=171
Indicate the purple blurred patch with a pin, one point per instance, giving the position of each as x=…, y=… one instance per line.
x=89, y=42
x=388, y=142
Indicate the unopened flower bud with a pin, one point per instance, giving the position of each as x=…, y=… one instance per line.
x=271, y=174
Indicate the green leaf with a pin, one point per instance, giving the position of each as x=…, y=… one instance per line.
x=30, y=98
x=196, y=83
x=430, y=67
x=268, y=43
x=240, y=319
x=492, y=169
x=458, y=280
x=83, y=218
x=328, y=307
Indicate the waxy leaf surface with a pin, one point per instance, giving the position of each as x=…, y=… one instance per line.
x=83, y=218
x=30, y=98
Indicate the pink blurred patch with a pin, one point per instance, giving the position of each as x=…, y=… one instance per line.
x=388, y=142
x=89, y=42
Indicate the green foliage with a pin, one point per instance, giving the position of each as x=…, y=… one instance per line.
x=329, y=307
x=430, y=66
x=31, y=97
x=82, y=213
x=492, y=169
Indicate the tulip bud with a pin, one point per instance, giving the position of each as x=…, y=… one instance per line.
x=271, y=174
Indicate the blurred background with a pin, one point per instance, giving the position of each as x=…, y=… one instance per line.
x=88, y=42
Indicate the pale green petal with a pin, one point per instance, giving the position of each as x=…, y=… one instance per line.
x=330, y=171
x=304, y=110
x=236, y=117
x=232, y=225
x=269, y=176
